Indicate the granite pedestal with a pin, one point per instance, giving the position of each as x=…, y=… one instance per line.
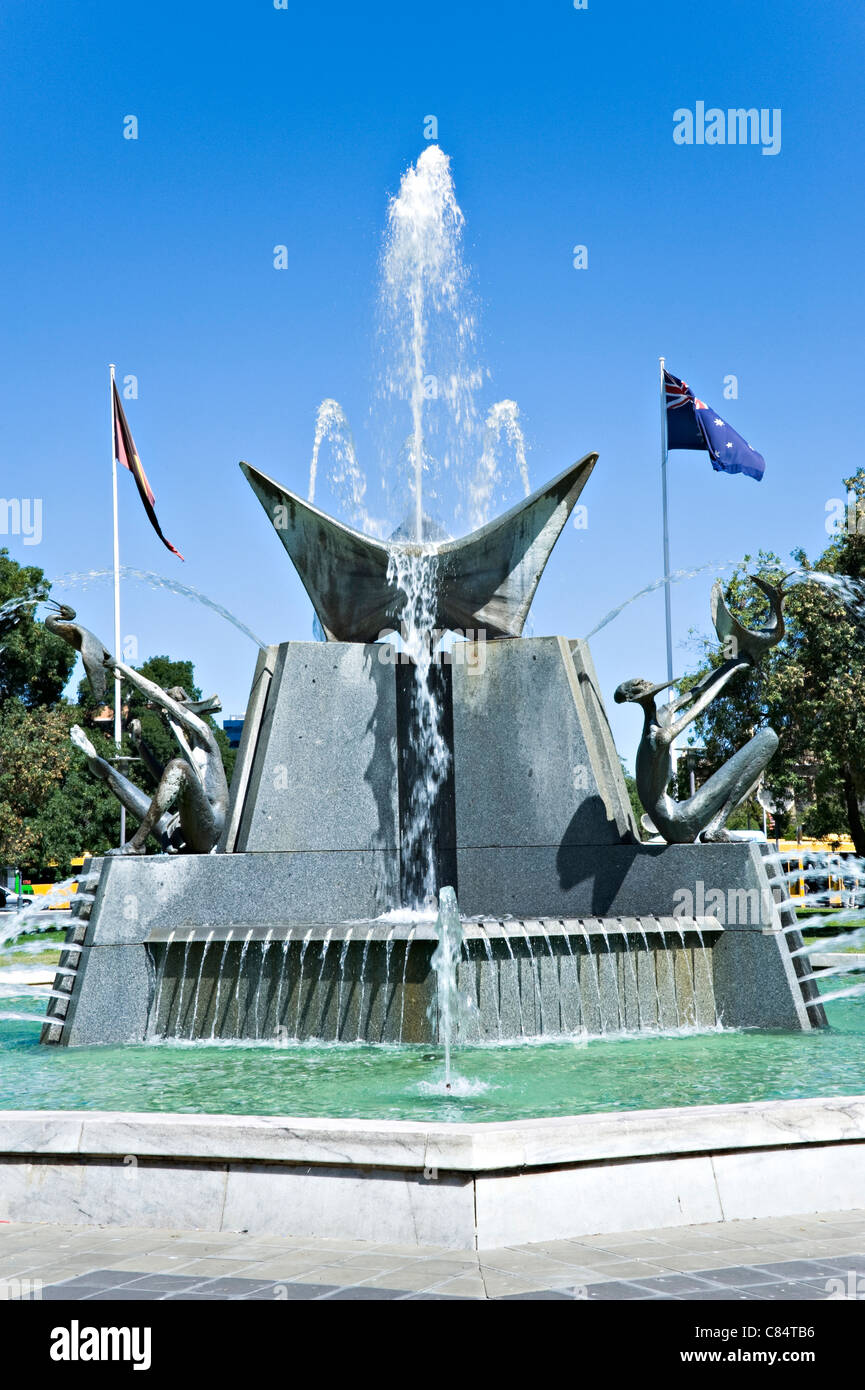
x=293, y=926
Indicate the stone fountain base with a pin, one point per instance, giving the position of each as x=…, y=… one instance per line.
x=202, y=947
x=291, y=929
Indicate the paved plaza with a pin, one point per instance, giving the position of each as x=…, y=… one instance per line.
x=792, y=1258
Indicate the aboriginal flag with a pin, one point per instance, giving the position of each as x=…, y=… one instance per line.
x=126, y=453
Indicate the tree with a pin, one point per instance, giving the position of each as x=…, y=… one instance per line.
x=34, y=664
x=810, y=688
x=52, y=808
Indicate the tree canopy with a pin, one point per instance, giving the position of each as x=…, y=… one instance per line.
x=52, y=808
x=810, y=688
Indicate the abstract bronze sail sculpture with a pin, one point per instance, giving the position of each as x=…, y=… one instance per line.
x=484, y=582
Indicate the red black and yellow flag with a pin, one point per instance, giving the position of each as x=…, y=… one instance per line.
x=126, y=453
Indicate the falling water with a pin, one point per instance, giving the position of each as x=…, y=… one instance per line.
x=160, y=979
x=414, y=575
x=629, y=962
x=545, y=934
x=243, y=950
x=277, y=1013
x=341, y=976
x=654, y=973
x=388, y=950
x=539, y=1002
x=615, y=977
x=690, y=973
x=265, y=947
x=577, y=992
x=495, y=981
x=594, y=968
x=516, y=966
x=198, y=985
x=219, y=983
x=303, y=946
x=367, y=940
x=710, y=976
x=404, y=978
x=324, y=949
x=184, y=975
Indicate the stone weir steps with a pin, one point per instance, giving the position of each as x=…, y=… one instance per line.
x=77, y=918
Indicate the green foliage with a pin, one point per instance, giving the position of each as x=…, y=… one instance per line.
x=810, y=689
x=52, y=807
x=34, y=664
x=633, y=795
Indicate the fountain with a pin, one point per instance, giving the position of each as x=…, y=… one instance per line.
x=373, y=784
x=423, y=845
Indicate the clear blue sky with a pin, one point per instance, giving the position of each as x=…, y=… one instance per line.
x=260, y=126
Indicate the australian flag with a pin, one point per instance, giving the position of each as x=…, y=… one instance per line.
x=691, y=424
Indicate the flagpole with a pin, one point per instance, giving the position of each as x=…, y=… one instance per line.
x=118, y=732
x=664, y=452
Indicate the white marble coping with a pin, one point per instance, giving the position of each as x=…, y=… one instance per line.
x=512, y=1145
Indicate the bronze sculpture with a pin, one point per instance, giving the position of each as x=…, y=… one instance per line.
x=704, y=815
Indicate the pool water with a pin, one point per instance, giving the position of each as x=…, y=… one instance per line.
x=517, y=1081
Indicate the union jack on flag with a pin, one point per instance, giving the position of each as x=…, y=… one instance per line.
x=691, y=424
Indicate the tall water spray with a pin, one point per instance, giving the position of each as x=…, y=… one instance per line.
x=428, y=325
x=445, y=960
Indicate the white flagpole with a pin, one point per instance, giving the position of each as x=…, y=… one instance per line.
x=118, y=731
x=664, y=451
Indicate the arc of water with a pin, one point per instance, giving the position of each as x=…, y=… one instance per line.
x=81, y=579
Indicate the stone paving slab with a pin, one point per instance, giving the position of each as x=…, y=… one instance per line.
x=772, y=1259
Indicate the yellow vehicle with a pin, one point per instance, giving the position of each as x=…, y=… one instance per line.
x=825, y=860
x=41, y=889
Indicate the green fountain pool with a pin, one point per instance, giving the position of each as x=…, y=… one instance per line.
x=502, y=1082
